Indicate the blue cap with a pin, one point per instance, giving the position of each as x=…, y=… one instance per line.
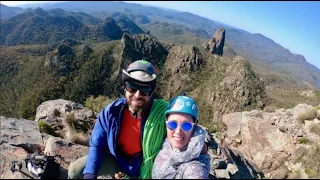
x=183, y=104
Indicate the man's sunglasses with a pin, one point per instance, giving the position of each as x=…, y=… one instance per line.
x=133, y=88
x=185, y=126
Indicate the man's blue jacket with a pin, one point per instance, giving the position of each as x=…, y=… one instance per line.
x=104, y=138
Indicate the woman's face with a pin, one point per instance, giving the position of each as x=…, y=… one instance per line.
x=175, y=133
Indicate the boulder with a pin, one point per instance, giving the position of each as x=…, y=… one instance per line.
x=20, y=137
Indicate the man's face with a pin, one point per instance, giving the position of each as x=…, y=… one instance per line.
x=138, y=97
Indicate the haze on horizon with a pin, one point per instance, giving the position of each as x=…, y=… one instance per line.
x=294, y=25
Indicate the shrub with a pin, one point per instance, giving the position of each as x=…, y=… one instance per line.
x=315, y=129
x=309, y=114
x=70, y=119
x=270, y=108
x=45, y=128
x=297, y=174
x=308, y=171
x=97, y=104
x=303, y=140
x=289, y=113
x=79, y=137
x=311, y=162
x=215, y=127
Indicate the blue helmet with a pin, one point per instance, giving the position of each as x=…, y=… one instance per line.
x=183, y=104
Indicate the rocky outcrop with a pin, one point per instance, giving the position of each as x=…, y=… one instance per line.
x=228, y=52
x=184, y=59
x=216, y=43
x=308, y=93
x=128, y=25
x=64, y=50
x=70, y=42
x=142, y=46
x=61, y=61
x=226, y=163
x=20, y=137
x=85, y=50
x=60, y=114
x=271, y=141
x=109, y=29
x=240, y=88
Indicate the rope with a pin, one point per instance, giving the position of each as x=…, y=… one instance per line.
x=154, y=133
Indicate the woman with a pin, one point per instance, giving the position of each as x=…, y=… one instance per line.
x=180, y=156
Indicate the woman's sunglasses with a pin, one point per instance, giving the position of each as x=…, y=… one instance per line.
x=185, y=126
x=132, y=88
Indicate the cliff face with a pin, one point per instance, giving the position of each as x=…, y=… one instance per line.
x=216, y=43
x=282, y=144
x=240, y=88
x=221, y=85
x=108, y=28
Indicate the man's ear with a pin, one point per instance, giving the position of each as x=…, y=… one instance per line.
x=153, y=92
x=124, y=89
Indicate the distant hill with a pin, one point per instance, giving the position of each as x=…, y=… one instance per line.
x=252, y=46
x=80, y=16
x=39, y=26
x=177, y=34
x=127, y=24
x=259, y=48
x=7, y=12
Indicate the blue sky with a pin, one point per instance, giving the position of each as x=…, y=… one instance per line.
x=294, y=25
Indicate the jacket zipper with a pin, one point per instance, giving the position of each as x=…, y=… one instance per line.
x=119, y=127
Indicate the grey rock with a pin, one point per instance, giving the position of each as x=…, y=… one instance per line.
x=216, y=43
x=283, y=127
x=281, y=173
x=222, y=173
x=218, y=164
x=232, y=168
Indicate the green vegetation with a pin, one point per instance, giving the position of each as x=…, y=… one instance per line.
x=297, y=174
x=304, y=140
x=315, y=129
x=288, y=96
x=45, y=128
x=308, y=171
x=52, y=69
x=289, y=113
x=98, y=103
x=176, y=34
x=270, y=108
x=72, y=77
x=311, y=162
x=309, y=114
x=79, y=137
x=78, y=134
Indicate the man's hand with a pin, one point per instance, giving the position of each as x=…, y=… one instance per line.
x=119, y=175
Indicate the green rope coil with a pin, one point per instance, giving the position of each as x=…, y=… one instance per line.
x=154, y=133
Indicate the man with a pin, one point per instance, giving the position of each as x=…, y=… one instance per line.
x=116, y=140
